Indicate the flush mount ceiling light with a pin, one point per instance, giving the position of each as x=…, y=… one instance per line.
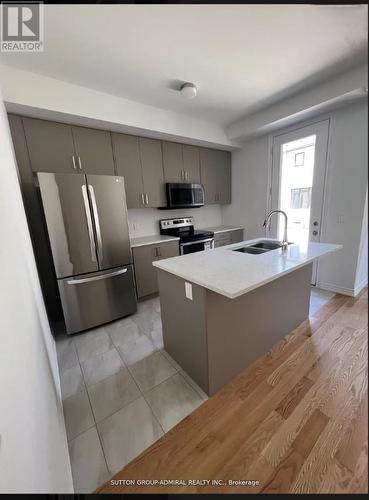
x=188, y=90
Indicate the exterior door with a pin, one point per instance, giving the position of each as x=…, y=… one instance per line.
x=50, y=146
x=191, y=163
x=152, y=172
x=128, y=165
x=108, y=204
x=69, y=223
x=297, y=182
x=208, y=162
x=94, y=151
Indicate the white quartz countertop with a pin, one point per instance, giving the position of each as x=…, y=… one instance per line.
x=234, y=273
x=221, y=229
x=151, y=240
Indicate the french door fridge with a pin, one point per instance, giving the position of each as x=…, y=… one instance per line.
x=86, y=218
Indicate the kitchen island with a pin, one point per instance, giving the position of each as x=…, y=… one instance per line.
x=221, y=309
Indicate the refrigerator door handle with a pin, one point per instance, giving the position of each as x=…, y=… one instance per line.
x=96, y=278
x=97, y=224
x=89, y=223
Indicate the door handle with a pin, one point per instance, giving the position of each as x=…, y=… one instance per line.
x=79, y=163
x=89, y=223
x=74, y=163
x=146, y=199
x=315, y=233
x=100, y=253
x=315, y=223
x=96, y=278
x=142, y=199
x=159, y=251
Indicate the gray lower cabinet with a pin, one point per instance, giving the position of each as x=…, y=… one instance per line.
x=50, y=146
x=237, y=236
x=145, y=272
x=228, y=237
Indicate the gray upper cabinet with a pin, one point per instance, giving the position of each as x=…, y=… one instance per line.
x=216, y=175
x=128, y=164
x=50, y=146
x=191, y=163
x=93, y=150
x=223, y=177
x=181, y=162
x=173, y=162
x=152, y=172
x=208, y=162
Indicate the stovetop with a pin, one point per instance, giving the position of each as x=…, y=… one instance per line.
x=183, y=228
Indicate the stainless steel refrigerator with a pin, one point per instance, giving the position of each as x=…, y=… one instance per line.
x=86, y=217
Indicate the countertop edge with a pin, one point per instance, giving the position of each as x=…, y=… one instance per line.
x=152, y=240
x=237, y=294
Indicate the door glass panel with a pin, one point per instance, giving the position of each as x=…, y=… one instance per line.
x=296, y=181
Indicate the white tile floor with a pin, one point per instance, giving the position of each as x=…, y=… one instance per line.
x=122, y=392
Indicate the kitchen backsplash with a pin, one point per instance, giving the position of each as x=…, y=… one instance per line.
x=145, y=221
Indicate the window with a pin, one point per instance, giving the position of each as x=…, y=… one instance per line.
x=299, y=159
x=301, y=197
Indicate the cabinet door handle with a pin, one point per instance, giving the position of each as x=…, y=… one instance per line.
x=182, y=175
x=186, y=175
x=74, y=163
x=142, y=199
x=146, y=199
x=79, y=163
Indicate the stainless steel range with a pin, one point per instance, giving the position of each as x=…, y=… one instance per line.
x=190, y=240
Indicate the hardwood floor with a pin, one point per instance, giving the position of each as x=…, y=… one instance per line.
x=296, y=421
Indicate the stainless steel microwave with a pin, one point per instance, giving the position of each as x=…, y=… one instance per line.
x=184, y=195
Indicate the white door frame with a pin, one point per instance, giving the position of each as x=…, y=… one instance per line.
x=324, y=124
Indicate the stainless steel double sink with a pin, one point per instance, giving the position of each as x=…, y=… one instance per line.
x=260, y=247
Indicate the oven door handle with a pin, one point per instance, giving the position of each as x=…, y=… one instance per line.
x=195, y=242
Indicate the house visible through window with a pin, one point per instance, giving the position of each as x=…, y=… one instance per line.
x=299, y=159
x=301, y=197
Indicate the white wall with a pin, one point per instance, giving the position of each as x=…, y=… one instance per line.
x=362, y=262
x=44, y=97
x=145, y=221
x=346, y=187
x=249, y=188
x=33, y=446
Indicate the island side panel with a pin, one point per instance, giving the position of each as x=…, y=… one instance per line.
x=184, y=326
x=241, y=330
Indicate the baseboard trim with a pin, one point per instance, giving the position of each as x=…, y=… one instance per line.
x=360, y=287
x=351, y=292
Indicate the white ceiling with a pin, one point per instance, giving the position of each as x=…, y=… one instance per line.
x=242, y=57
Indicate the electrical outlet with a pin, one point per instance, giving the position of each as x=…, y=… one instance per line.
x=188, y=290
